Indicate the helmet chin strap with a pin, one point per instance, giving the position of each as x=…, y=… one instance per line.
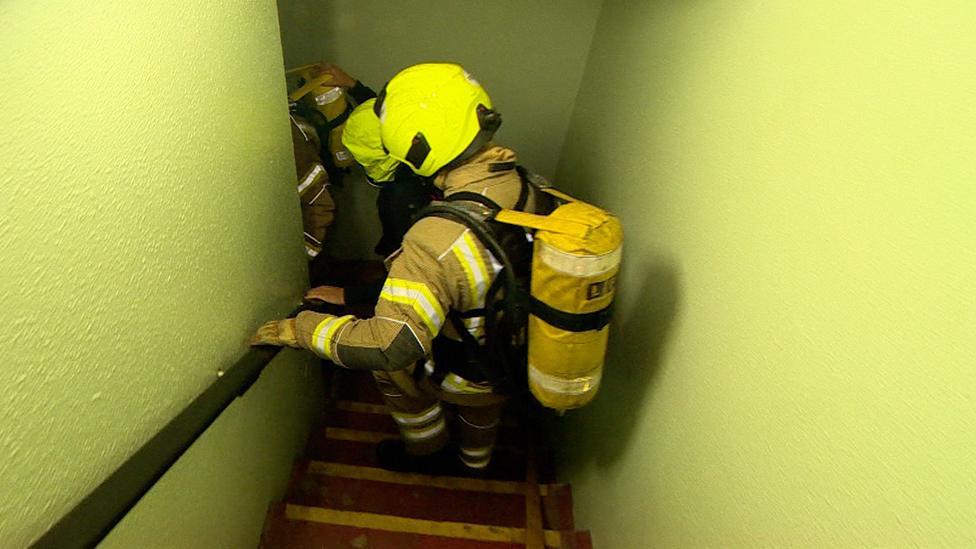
x=489, y=121
x=419, y=149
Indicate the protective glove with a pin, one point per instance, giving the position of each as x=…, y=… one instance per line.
x=329, y=294
x=276, y=332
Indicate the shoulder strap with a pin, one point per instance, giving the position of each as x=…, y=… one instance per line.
x=339, y=120
x=507, y=277
x=544, y=222
x=479, y=227
x=481, y=231
x=517, y=215
x=468, y=196
x=309, y=86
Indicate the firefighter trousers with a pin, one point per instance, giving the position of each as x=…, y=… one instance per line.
x=419, y=412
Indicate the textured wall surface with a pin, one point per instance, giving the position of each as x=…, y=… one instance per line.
x=793, y=356
x=148, y=223
x=528, y=54
x=217, y=495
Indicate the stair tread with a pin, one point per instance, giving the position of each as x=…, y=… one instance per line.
x=329, y=433
x=338, y=497
x=505, y=465
x=299, y=527
x=383, y=423
x=453, y=500
x=358, y=390
x=370, y=408
x=443, y=481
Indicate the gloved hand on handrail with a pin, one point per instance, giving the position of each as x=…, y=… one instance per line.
x=276, y=332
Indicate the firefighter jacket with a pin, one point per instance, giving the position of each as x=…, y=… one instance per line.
x=318, y=209
x=441, y=266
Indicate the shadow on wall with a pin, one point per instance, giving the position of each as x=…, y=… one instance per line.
x=602, y=431
x=308, y=30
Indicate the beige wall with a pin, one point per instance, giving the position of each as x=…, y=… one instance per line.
x=793, y=353
x=149, y=223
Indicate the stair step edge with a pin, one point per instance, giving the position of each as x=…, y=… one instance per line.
x=388, y=523
x=375, y=437
x=444, y=503
x=316, y=467
x=355, y=406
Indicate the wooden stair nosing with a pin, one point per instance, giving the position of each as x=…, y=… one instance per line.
x=318, y=467
x=284, y=533
x=505, y=465
x=374, y=427
x=374, y=437
x=280, y=532
x=452, y=499
x=507, y=437
x=357, y=460
x=443, y=529
x=357, y=407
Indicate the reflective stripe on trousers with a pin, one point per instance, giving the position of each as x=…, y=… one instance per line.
x=420, y=418
x=478, y=428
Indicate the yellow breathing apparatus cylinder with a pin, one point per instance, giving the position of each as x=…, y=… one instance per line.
x=576, y=253
x=576, y=256
x=333, y=103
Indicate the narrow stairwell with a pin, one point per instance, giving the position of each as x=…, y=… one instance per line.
x=339, y=498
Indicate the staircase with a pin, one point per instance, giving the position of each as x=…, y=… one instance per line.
x=338, y=498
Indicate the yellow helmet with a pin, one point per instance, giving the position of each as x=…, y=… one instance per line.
x=362, y=137
x=434, y=115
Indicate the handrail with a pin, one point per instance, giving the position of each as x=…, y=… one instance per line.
x=97, y=514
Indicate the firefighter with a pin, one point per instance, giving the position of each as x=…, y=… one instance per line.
x=439, y=121
x=318, y=208
x=402, y=193
x=353, y=134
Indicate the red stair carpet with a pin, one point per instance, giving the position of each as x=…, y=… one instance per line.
x=339, y=498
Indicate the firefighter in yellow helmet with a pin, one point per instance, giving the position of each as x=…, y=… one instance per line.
x=402, y=193
x=439, y=121
x=362, y=138
x=317, y=152
x=355, y=132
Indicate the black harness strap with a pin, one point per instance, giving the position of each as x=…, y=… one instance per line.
x=505, y=278
x=501, y=359
x=339, y=120
x=473, y=313
x=501, y=166
x=571, y=322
